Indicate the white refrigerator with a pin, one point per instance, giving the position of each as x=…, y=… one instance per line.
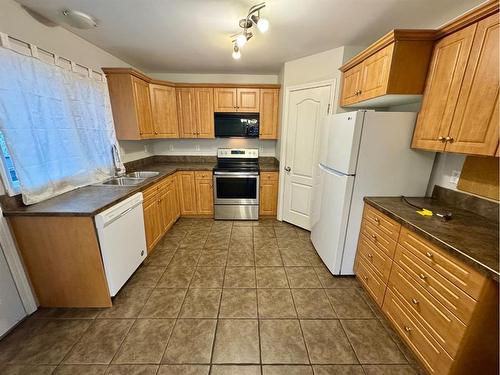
x=362, y=153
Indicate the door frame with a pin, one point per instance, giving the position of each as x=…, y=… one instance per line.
x=332, y=83
x=16, y=267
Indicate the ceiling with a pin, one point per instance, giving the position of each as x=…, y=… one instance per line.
x=193, y=36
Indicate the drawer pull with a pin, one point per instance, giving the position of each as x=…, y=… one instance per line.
x=365, y=277
x=407, y=329
x=370, y=256
x=374, y=236
x=429, y=254
x=414, y=301
x=422, y=276
x=377, y=220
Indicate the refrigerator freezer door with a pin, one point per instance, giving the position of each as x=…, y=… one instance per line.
x=331, y=204
x=342, y=133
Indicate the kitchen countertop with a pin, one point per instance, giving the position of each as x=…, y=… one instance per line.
x=91, y=200
x=468, y=235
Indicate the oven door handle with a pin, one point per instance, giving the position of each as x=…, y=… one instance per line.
x=237, y=174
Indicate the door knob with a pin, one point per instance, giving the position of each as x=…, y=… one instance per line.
x=449, y=139
x=288, y=169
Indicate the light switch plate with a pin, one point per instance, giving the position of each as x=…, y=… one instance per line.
x=455, y=176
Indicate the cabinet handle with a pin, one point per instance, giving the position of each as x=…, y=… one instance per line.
x=370, y=256
x=377, y=220
x=374, y=236
x=414, y=301
x=156, y=132
x=429, y=254
x=407, y=329
x=365, y=277
x=359, y=92
x=441, y=139
x=422, y=276
x=449, y=139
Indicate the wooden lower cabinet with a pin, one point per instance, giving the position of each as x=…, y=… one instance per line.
x=268, y=193
x=204, y=193
x=445, y=310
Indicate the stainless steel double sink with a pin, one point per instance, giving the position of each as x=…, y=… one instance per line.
x=130, y=179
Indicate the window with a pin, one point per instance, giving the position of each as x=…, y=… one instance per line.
x=8, y=172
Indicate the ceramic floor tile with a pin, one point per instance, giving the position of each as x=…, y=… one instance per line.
x=330, y=281
x=201, y=303
x=265, y=244
x=338, y=370
x=13, y=342
x=312, y=304
x=287, y=370
x=285, y=232
x=146, y=341
x=268, y=258
x=237, y=341
x=264, y=232
x=327, y=343
x=240, y=258
x=191, y=342
x=239, y=232
x=160, y=257
x=176, y=277
x=271, y=277
x=275, y=303
x=348, y=303
x=128, y=303
x=163, y=303
x=294, y=257
x=80, y=370
x=51, y=343
x=184, y=370
x=302, y=277
x=213, y=257
x=207, y=277
x=217, y=242
x=185, y=258
x=239, y=277
x=282, y=342
x=146, y=276
x=372, y=343
x=26, y=369
x=241, y=244
x=100, y=342
x=67, y=313
x=238, y=303
x=132, y=370
x=389, y=370
x=235, y=370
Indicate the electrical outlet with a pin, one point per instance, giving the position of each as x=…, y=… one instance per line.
x=455, y=176
x=171, y=147
x=197, y=147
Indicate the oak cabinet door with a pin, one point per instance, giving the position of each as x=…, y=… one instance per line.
x=225, y=100
x=248, y=100
x=444, y=80
x=269, y=102
x=186, y=112
x=268, y=201
x=204, y=196
x=375, y=73
x=165, y=210
x=152, y=224
x=164, y=108
x=187, y=193
x=474, y=129
x=143, y=107
x=205, y=112
x=351, y=84
x=175, y=198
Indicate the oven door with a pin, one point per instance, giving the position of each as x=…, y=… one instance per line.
x=236, y=188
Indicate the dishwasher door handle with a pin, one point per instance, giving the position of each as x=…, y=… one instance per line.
x=121, y=215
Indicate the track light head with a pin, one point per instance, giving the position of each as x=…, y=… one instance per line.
x=236, y=52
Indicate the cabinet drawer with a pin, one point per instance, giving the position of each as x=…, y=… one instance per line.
x=457, y=272
x=384, y=223
x=379, y=261
x=203, y=175
x=437, y=320
x=269, y=176
x=370, y=281
x=378, y=238
x=453, y=298
x=434, y=358
x=150, y=193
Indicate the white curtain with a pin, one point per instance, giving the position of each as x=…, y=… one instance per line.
x=57, y=125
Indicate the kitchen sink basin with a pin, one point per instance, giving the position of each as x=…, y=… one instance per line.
x=123, y=181
x=142, y=174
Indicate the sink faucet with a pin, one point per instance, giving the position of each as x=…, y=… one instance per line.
x=116, y=157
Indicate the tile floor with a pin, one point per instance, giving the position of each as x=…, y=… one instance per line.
x=218, y=298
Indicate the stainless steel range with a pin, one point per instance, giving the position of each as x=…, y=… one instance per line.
x=236, y=184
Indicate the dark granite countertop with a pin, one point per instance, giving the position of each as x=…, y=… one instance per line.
x=91, y=200
x=468, y=235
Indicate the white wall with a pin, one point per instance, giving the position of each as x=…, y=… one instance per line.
x=444, y=165
x=215, y=78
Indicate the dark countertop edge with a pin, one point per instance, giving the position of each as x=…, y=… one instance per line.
x=266, y=167
x=488, y=271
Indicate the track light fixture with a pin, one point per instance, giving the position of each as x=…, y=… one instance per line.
x=253, y=18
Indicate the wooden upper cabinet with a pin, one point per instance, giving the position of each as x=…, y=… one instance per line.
x=460, y=107
x=204, y=98
x=143, y=107
x=247, y=100
x=474, y=128
x=225, y=100
x=391, y=71
x=236, y=99
x=269, y=103
x=444, y=79
x=186, y=112
x=164, y=111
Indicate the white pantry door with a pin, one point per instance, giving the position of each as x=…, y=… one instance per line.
x=307, y=109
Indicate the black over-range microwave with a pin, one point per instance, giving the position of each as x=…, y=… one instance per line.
x=237, y=125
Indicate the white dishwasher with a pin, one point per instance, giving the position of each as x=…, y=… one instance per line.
x=122, y=240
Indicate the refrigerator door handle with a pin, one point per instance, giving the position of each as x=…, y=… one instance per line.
x=333, y=171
